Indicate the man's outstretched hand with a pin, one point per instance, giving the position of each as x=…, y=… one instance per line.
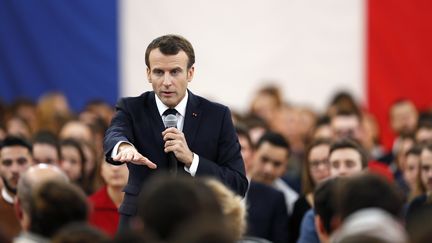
x=127, y=153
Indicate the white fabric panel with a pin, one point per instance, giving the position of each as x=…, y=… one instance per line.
x=310, y=48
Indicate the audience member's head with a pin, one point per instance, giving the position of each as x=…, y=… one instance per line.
x=316, y=166
x=419, y=227
x=17, y=126
x=426, y=168
x=52, y=111
x=233, y=208
x=323, y=129
x=46, y=148
x=346, y=158
x=411, y=171
x=247, y=147
x=76, y=130
x=73, y=160
x=325, y=207
x=403, y=117
x=423, y=134
x=166, y=203
x=15, y=158
x=347, y=124
x=270, y=158
x=80, y=232
x=33, y=177
x=369, y=190
x=266, y=102
x=55, y=204
x=372, y=225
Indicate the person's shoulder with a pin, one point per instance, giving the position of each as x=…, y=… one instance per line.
x=264, y=189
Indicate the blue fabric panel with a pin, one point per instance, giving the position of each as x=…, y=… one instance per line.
x=59, y=45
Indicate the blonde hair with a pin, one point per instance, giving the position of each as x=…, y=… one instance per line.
x=233, y=207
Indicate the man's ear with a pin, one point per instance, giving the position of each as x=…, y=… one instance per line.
x=319, y=225
x=190, y=73
x=335, y=222
x=148, y=74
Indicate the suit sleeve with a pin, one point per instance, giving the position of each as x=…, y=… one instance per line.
x=229, y=167
x=119, y=130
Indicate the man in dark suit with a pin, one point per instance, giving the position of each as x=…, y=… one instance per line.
x=204, y=141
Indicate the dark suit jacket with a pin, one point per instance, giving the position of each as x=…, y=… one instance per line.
x=267, y=213
x=208, y=130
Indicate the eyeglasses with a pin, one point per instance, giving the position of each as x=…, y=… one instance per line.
x=314, y=164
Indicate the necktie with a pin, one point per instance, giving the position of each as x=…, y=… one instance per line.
x=170, y=112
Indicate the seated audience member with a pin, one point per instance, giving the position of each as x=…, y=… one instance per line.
x=15, y=158
x=17, y=126
x=167, y=203
x=370, y=225
x=326, y=195
x=423, y=134
x=46, y=148
x=374, y=193
x=267, y=216
x=233, y=208
x=44, y=215
x=52, y=112
x=315, y=169
x=29, y=181
x=424, y=200
x=419, y=227
x=322, y=129
x=105, y=202
x=347, y=158
x=270, y=164
x=80, y=233
x=411, y=172
x=73, y=163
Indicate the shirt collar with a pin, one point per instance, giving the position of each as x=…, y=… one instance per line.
x=6, y=196
x=181, y=107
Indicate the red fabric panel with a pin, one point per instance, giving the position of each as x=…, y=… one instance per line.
x=399, y=57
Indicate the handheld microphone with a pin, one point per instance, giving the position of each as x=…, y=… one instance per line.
x=171, y=121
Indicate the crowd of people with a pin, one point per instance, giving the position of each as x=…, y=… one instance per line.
x=276, y=173
x=313, y=177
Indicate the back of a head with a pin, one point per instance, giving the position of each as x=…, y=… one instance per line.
x=325, y=204
x=370, y=225
x=55, y=204
x=80, y=232
x=232, y=205
x=369, y=191
x=166, y=202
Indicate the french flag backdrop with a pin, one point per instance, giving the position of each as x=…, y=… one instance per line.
x=379, y=50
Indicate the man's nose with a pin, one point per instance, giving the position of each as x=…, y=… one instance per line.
x=167, y=79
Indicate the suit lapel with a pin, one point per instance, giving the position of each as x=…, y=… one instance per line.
x=192, y=118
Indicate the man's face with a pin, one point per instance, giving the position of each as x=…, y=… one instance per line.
x=411, y=169
x=14, y=161
x=169, y=76
x=426, y=169
x=270, y=163
x=45, y=153
x=403, y=118
x=345, y=162
x=424, y=135
x=346, y=127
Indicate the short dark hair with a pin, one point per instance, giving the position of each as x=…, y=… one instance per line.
x=171, y=45
x=55, y=204
x=275, y=139
x=368, y=190
x=325, y=201
x=167, y=202
x=241, y=130
x=350, y=143
x=10, y=141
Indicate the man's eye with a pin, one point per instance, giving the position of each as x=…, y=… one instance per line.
x=7, y=162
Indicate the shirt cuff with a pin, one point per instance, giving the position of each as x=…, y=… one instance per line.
x=115, y=149
x=194, y=166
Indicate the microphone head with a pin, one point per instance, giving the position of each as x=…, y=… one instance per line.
x=170, y=121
